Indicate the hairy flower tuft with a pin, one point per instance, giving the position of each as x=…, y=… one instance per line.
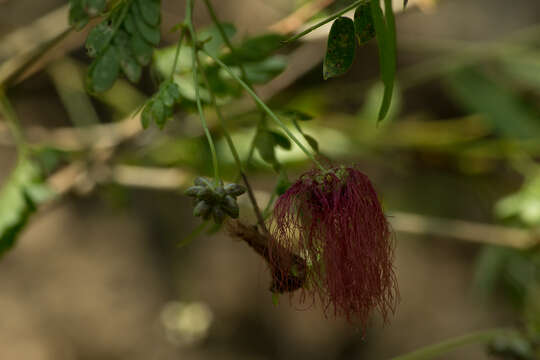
x=335, y=222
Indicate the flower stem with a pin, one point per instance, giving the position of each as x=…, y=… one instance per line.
x=243, y=73
x=232, y=147
x=189, y=24
x=325, y=21
x=270, y=113
x=436, y=350
x=177, y=53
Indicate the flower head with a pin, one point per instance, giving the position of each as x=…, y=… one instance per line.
x=335, y=222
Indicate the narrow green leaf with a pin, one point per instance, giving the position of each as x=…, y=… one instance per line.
x=296, y=115
x=264, y=143
x=341, y=48
x=281, y=140
x=150, y=11
x=151, y=34
x=386, y=38
x=104, y=70
x=363, y=23
x=312, y=142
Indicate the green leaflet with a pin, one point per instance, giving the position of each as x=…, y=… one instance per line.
x=104, y=71
x=160, y=107
x=19, y=197
x=254, y=49
x=265, y=143
x=385, y=30
x=341, y=48
x=363, y=23
x=281, y=140
x=123, y=42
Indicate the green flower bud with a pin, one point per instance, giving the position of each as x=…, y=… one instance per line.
x=218, y=214
x=194, y=191
x=202, y=209
x=235, y=189
x=231, y=207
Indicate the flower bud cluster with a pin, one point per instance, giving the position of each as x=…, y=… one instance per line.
x=216, y=201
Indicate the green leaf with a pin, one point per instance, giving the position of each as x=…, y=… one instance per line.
x=254, y=49
x=129, y=24
x=104, y=70
x=386, y=38
x=95, y=7
x=264, y=71
x=295, y=115
x=363, y=23
x=98, y=39
x=264, y=143
x=524, y=68
x=141, y=49
x=524, y=204
x=146, y=116
x=77, y=16
x=478, y=94
x=149, y=33
x=150, y=11
x=19, y=198
x=312, y=142
x=283, y=184
x=215, y=44
x=281, y=140
x=158, y=112
x=341, y=48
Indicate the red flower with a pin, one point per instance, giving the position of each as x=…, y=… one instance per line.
x=334, y=221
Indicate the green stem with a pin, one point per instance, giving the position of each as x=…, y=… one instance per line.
x=225, y=38
x=234, y=152
x=189, y=24
x=267, y=110
x=434, y=351
x=177, y=53
x=325, y=21
x=244, y=77
x=12, y=122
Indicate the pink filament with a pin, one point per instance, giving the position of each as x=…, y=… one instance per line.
x=335, y=222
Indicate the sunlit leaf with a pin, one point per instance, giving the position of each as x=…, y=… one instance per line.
x=19, y=198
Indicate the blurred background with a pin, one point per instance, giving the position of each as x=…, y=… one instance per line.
x=98, y=274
